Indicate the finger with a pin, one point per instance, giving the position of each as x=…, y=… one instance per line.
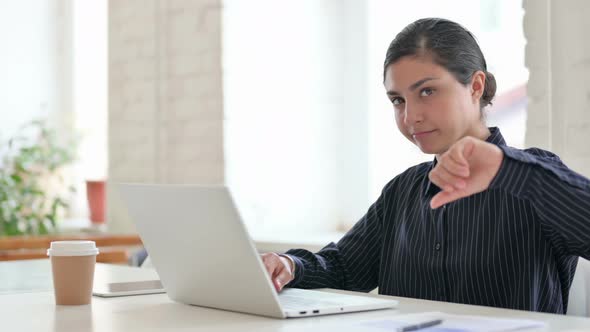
x=449, y=179
x=277, y=285
x=271, y=264
x=439, y=181
x=452, y=165
x=276, y=270
x=445, y=197
x=266, y=262
x=283, y=272
x=283, y=278
x=467, y=147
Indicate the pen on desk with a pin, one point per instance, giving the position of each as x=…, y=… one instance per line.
x=420, y=326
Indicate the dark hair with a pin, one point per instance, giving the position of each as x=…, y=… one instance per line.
x=449, y=45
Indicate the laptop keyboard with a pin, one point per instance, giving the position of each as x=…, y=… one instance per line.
x=308, y=299
x=294, y=302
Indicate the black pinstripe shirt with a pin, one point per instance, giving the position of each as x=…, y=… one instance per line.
x=515, y=245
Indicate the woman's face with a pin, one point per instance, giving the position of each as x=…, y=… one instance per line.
x=432, y=109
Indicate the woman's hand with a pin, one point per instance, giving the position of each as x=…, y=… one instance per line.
x=279, y=268
x=467, y=168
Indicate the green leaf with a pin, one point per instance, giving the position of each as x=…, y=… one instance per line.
x=16, y=178
x=32, y=154
x=51, y=218
x=42, y=229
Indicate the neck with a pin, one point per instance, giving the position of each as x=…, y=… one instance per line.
x=481, y=131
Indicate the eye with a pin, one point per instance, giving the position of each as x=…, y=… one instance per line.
x=396, y=101
x=426, y=92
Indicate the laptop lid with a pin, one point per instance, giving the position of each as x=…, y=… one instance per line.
x=200, y=248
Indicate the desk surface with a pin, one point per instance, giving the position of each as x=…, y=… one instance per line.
x=27, y=304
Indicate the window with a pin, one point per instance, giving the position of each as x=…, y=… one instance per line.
x=89, y=95
x=310, y=138
x=54, y=66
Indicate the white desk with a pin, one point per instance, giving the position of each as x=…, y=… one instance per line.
x=27, y=304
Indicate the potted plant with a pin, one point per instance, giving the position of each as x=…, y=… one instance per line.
x=31, y=186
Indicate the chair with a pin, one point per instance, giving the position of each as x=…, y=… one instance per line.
x=138, y=258
x=579, y=299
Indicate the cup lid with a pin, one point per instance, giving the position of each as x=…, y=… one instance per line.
x=72, y=248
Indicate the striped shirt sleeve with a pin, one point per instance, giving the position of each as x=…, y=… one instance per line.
x=560, y=196
x=352, y=263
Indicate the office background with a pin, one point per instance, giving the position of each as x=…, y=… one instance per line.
x=280, y=100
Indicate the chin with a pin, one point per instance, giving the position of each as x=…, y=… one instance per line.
x=431, y=150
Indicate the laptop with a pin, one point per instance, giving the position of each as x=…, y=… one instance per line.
x=205, y=257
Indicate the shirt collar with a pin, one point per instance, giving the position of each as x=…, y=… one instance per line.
x=495, y=138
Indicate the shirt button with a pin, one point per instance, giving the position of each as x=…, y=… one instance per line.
x=437, y=246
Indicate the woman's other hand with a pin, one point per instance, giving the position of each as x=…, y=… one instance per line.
x=280, y=269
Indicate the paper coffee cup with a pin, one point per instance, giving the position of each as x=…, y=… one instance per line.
x=72, y=264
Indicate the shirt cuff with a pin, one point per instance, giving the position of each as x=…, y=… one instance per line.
x=297, y=269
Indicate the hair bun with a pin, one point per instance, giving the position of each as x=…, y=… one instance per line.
x=489, y=90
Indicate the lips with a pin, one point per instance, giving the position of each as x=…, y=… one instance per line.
x=421, y=134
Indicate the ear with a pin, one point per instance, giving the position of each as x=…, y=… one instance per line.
x=478, y=83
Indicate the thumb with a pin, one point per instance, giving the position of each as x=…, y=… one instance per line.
x=277, y=283
x=444, y=197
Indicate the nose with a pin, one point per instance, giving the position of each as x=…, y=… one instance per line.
x=412, y=114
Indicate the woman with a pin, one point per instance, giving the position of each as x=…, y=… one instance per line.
x=483, y=223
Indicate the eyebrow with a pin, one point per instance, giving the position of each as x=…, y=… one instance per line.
x=413, y=86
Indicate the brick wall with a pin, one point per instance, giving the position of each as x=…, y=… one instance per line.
x=558, y=57
x=165, y=96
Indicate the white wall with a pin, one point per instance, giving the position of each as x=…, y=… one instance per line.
x=558, y=56
x=34, y=63
x=295, y=112
x=90, y=69
x=88, y=91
